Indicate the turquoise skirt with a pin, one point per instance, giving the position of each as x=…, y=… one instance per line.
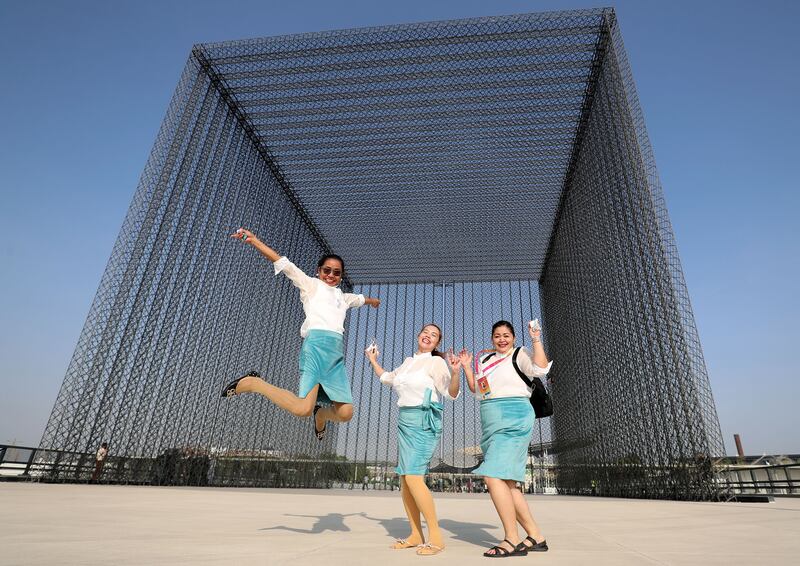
x=507, y=427
x=322, y=362
x=418, y=432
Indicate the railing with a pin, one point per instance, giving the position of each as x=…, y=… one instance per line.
x=761, y=479
x=16, y=461
x=26, y=463
x=173, y=466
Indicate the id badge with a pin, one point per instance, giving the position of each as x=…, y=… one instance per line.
x=483, y=387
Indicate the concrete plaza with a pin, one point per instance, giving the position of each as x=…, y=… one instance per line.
x=96, y=524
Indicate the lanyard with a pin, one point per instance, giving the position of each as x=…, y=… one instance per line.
x=482, y=374
x=491, y=367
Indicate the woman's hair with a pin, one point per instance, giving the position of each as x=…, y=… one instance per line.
x=326, y=257
x=435, y=352
x=500, y=323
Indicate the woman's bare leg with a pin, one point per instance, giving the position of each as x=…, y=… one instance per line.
x=283, y=398
x=504, y=504
x=523, y=513
x=424, y=502
x=412, y=512
x=338, y=413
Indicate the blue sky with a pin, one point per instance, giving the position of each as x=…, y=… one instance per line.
x=86, y=85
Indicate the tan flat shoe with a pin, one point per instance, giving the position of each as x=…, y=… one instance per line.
x=429, y=549
x=402, y=543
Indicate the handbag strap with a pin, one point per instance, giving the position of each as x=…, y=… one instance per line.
x=524, y=377
x=529, y=382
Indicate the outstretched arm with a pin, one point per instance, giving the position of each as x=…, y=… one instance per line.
x=248, y=237
x=374, y=303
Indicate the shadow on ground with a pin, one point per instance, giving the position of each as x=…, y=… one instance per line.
x=395, y=527
x=329, y=522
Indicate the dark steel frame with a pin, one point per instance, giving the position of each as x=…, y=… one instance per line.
x=468, y=171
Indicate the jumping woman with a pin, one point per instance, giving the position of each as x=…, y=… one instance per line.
x=418, y=382
x=323, y=378
x=506, y=429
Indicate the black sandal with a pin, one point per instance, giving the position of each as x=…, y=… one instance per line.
x=502, y=552
x=320, y=434
x=230, y=389
x=534, y=547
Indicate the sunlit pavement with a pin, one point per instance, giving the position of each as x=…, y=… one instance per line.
x=98, y=524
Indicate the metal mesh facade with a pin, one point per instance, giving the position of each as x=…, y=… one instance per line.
x=467, y=171
x=636, y=414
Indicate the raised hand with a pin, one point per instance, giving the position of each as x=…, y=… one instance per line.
x=535, y=330
x=453, y=360
x=465, y=357
x=244, y=235
x=372, y=352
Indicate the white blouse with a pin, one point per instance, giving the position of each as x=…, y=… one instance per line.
x=415, y=375
x=504, y=381
x=325, y=306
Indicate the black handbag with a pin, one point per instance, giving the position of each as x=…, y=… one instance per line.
x=540, y=399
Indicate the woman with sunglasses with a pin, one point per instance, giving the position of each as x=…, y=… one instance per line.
x=323, y=378
x=417, y=382
x=506, y=429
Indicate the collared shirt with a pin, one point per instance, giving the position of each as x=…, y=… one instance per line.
x=325, y=306
x=415, y=375
x=504, y=381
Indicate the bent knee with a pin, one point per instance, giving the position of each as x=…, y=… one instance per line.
x=345, y=413
x=303, y=411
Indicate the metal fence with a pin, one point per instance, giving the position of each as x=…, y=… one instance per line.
x=761, y=475
x=732, y=476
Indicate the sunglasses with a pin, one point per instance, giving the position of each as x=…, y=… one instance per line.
x=330, y=271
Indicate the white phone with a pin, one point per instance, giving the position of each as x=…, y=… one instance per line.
x=534, y=324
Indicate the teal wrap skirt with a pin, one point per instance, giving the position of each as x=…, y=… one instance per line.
x=418, y=432
x=506, y=430
x=322, y=362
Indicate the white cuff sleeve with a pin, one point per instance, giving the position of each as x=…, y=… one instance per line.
x=296, y=275
x=387, y=378
x=540, y=371
x=441, y=378
x=281, y=264
x=354, y=301
x=528, y=367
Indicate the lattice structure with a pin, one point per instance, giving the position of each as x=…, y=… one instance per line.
x=468, y=171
